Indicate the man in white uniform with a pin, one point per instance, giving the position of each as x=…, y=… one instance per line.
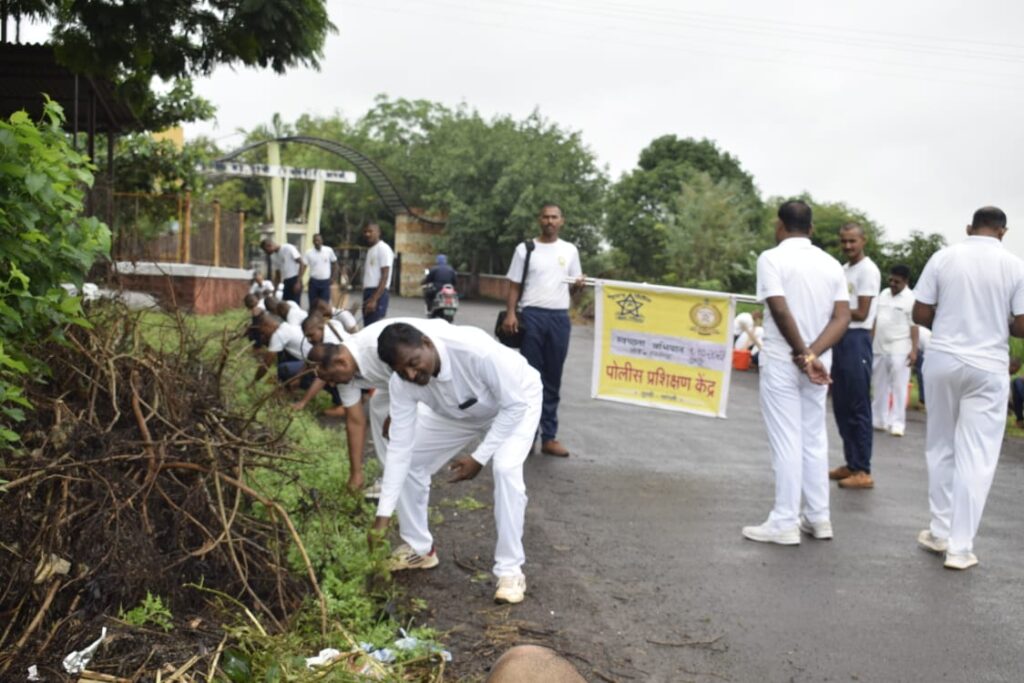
x=474, y=387
x=283, y=345
x=895, y=352
x=287, y=266
x=354, y=366
x=376, y=275
x=808, y=304
x=852, y=362
x=543, y=312
x=323, y=270
x=971, y=295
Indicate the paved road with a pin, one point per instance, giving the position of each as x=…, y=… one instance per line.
x=647, y=516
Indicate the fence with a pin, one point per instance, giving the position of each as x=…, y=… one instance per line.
x=172, y=229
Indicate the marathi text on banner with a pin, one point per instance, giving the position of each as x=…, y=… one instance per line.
x=663, y=347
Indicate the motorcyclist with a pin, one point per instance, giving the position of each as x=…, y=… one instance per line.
x=437, y=277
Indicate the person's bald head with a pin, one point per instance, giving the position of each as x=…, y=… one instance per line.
x=533, y=664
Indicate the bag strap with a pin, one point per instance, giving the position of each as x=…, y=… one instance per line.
x=526, y=270
x=330, y=323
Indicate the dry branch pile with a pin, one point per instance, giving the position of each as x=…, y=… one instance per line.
x=133, y=480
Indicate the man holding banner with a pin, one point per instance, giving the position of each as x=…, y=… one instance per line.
x=805, y=292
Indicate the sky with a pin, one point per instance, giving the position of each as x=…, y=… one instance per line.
x=909, y=111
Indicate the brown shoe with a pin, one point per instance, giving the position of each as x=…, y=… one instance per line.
x=857, y=480
x=552, y=447
x=839, y=473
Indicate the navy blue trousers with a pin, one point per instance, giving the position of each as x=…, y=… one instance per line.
x=319, y=289
x=382, y=306
x=851, y=397
x=289, y=293
x=545, y=345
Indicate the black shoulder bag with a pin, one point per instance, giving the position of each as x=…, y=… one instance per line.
x=515, y=340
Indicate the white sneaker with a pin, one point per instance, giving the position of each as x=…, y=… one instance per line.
x=404, y=557
x=820, y=530
x=769, y=533
x=960, y=560
x=372, y=492
x=511, y=589
x=929, y=542
x=896, y=431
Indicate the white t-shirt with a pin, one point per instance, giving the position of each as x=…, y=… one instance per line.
x=287, y=337
x=975, y=286
x=550, y=264
x=893, y=322
x=295, y=314
x=812, y=282
x=263, y=289
x=333, y=334
x=319, y=262
x=863, y=279
x=378, y=257
x=287, y=260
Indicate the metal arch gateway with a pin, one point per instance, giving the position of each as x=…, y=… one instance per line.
x=382, y=184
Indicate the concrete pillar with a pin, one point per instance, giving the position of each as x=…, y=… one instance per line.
x=277, y=195
x=416, y=242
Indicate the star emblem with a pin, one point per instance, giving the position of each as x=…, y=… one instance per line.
x=629, y=307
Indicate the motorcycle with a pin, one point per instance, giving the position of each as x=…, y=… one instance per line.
x=443, y=304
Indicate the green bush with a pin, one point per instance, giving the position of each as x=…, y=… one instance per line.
x=45, y=241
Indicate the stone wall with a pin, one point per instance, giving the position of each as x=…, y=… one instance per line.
x=415, y=242
x=197, y=289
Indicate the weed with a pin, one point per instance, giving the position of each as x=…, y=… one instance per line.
x=150, y=611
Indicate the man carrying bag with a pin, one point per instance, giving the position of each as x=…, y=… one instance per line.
x=539, y=316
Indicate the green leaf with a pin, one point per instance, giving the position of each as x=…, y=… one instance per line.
x=35, y=182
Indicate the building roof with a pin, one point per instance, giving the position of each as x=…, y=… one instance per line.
x=27, y=71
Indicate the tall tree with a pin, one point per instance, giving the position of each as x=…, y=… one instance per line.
x=829, y=217
x=914, y=252
x=642, y=204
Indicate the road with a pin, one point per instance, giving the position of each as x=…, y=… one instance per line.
x=638, y=571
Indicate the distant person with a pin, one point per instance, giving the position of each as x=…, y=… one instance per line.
x=376, y=275
x=347, y=320
x=749, y=334
x=291, y=312
x=288, y=268
x=319, y=330
x=283, y=344
x=924, y=335
x=1016, y=393
x=544, y=313
x=259, y=286
x=323, y=270
x=478, y=392
x=807, y=299
x=895, y=352
x=437, y=277
x=853, y=360
x=971, y=295
x=254, y=304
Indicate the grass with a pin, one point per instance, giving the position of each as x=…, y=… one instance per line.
x=333, y=524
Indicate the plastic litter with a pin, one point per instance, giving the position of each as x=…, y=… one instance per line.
x=33, y=673
x=77, y=661
x=325, y=656
x=407, y=642
x=50, y=566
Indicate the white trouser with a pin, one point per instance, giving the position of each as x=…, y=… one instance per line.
x=379, y=408
x=889, y=377
x=966, y=421
x=794, y=415
x=437, y=440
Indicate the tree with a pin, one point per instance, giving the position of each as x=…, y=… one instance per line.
x=913, y=252
x=640, y=206
x=134, y=42
x=45, y=241
x=829, y=217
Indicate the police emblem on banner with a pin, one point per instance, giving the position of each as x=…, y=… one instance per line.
x=705, y=318
x=629, y=306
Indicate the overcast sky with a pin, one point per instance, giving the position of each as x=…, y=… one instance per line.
x=910, y=111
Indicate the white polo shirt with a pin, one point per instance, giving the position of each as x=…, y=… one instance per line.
x=319, y=262
x=378, y=257
x=863, y=279
x=812, y=282
x=287, y=260
x=262, y=290
x=480, y=380
x=289, y=338
x=550, y=265
x=295, y=314
x=976, y=287
x=893, y=322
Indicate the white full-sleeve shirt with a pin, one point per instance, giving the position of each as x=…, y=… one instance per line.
x=480, y=380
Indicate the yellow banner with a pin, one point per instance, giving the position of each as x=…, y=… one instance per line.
x=664, y=347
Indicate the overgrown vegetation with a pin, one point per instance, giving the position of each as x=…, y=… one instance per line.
x=156, y=467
